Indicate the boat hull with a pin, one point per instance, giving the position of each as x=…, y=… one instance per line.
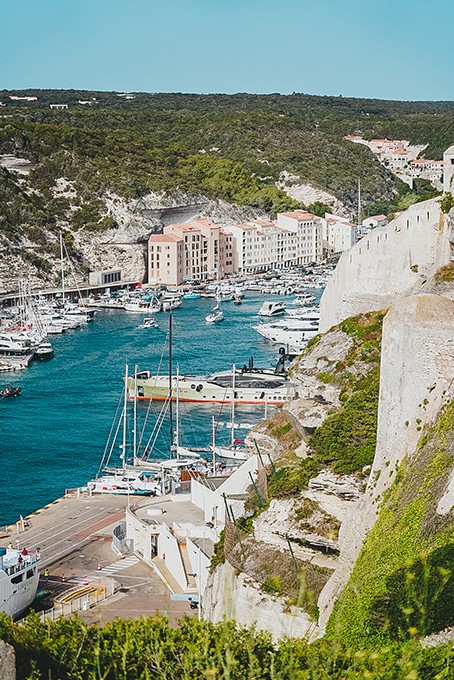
x=195, y=389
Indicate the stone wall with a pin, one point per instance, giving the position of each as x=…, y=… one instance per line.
x=388, y=263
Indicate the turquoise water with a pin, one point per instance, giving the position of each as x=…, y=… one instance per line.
x=52, y=437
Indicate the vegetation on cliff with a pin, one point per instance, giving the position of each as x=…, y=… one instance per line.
x=402, y=583
x=69, y=649
x=346, y=439
x=230, y=147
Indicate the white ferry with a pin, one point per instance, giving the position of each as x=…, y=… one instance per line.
x=19, y=578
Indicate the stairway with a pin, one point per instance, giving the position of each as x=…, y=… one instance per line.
x=190, y=580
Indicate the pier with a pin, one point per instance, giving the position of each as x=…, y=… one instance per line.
x=74, y=536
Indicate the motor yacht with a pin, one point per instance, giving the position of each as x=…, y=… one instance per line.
x=272, y=308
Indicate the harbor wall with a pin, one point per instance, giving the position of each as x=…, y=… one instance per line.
x=388, y=263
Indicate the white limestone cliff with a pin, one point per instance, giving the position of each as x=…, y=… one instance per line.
x=237, y=596
x=417, y=378
x=387, y=264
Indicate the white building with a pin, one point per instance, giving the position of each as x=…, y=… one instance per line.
x=261, y=245
x=309, y=231
x=339, y=234
x=375, y=221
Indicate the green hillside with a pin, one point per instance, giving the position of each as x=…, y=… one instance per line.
x=230, y=147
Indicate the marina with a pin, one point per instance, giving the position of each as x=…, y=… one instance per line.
x=56, y=432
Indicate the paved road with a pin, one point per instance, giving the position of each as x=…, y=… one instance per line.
x=66, y=524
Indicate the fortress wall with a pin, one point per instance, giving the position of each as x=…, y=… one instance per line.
x=387, y=263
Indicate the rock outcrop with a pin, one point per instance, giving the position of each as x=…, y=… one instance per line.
x=417, y=375
x=7, y=662
x=237, y=596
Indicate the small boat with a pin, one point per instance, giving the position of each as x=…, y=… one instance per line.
x=237, y=299
x=9, y=391
x=215, y=315
x=271, y=308
x=171, y=303
x=149, y=322
x=192, y=296
x=44, y=351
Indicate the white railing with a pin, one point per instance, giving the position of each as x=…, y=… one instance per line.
x=84, y=602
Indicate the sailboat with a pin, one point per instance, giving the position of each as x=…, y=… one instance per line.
x=128, y=479
x=216, y=313
x=237, y=450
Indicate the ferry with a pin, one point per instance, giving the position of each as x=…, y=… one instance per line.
x=19, y=578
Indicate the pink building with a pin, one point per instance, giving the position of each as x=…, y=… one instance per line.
x=208, y=248
x=166, y=259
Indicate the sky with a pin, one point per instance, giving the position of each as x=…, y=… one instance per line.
x=386, y=49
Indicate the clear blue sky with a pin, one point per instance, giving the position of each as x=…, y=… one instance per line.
x=390, y=49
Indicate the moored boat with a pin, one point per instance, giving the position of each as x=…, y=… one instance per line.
x=271, y=308
x=252, y=386
x=44, y=351
x=19, y=578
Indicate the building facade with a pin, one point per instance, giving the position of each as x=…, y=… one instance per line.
x=309, y=231
x=208, y=249
x=166, y=259
x=262, y=245
x=339, y=234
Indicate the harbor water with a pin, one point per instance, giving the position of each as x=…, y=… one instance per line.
x=53, y=436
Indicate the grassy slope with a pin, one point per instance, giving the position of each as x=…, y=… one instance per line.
x=403, y=581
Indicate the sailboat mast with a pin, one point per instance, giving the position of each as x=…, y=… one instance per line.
x=125, y=403
x=170, y=383
x=62, y=271
x=233, y=406
x=213, y=428
x=135, y=418
x=359, y=203
x=177, y=414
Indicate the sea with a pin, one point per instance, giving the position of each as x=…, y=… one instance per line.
x=54, y=435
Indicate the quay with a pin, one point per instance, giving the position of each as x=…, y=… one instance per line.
x=74, y=535
x=83, y=290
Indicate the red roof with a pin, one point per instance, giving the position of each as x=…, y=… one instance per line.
x=164, y=238
x=301, y=215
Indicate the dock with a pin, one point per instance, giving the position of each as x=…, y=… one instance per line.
x=74, y=535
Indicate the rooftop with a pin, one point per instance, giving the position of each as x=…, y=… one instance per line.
x=164, y=238
x=301, y=215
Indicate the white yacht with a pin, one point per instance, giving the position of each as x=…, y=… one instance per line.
x=290, y=336
x=252, y=386
x=19, y=578
x=127, y=481
x=271, y=308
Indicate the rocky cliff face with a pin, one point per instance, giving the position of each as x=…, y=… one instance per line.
x=366, y=528
x=118, y=240
x=417, y=374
